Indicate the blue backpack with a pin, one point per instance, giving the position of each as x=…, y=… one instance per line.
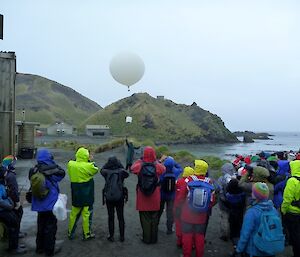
x=199, y=196
x=269, y=237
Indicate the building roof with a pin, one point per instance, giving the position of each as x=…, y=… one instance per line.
x=20, y=123
x=96, y=127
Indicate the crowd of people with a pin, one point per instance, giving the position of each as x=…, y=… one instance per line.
x=258, y=198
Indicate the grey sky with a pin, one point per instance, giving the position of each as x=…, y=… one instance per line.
x=238, y=59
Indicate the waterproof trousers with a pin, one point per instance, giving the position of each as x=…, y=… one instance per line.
x=87, y=214
x=169, y=213
x=193, y=235
x=46, y=232
x=292, y=222
x=178, y=230
x=119, y=206
x=10, y=219
x=149, y=222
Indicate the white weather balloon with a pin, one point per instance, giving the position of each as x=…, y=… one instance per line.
x=127, y=68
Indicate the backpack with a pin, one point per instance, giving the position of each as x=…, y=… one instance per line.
x=38, y=184
x=168, y=183
x=113, y=189
x=200, y=193
x=269, y=237
x=147, y=179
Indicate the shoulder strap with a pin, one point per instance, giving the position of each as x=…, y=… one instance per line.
x=298, y=178
x=194, y=178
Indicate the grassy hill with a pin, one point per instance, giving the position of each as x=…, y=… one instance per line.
x=47, y=101
x=163, y=121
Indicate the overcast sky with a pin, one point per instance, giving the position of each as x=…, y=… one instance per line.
x=238, y=59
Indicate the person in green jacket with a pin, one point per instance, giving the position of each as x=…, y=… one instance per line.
x=290, y=206
x=81, y=173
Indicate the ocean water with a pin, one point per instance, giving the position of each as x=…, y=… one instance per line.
x=281, y=141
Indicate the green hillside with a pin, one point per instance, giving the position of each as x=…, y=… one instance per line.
x=162, y=120
x=47, y=101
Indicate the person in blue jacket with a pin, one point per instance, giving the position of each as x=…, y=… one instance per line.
x=252, y=219
x=46, y=220
x=167, y=197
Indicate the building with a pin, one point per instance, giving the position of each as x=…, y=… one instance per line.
x=61, y=128
x=24, y=140
x=97, y=130
x=7, y=103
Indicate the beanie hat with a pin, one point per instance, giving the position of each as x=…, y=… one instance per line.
x=260, y=191
x=187, y=171
x=200, y=167
x=9, y=161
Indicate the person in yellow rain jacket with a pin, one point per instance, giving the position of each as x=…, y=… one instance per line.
x=81, y=173
x=290, y=206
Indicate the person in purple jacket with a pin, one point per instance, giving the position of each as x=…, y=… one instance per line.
x=46, y=221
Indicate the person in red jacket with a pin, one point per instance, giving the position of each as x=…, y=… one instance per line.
x=180, y=185
x=148, y=205
x=194, y=223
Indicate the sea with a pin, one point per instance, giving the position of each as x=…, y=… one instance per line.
x=280, y=141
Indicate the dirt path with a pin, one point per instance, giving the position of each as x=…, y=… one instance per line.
x=132, y=247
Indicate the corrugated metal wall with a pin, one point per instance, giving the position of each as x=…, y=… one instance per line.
x=26, y=136
x=7, y=103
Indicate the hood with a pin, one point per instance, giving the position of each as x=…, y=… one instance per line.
x=113, y=163
x=44, y=156
x=265, y=205
x=295, y=168
x=233, y=187
x=260, y=173
x=200, y=167
x=149, y=154
x=188, y=171
x=254, y=158
x=169, y=163
x=82, y=155
x=228, y=168
x=283, y=167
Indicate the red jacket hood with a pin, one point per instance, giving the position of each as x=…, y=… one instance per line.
x=149, y=154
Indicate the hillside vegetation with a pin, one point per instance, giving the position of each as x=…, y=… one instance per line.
x=163, y=121
x=47, y=101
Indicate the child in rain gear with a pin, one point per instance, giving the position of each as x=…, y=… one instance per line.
x=81, y=173
x=194, y=223
x=180, y=185
x=173, y=170
x=252, y=221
